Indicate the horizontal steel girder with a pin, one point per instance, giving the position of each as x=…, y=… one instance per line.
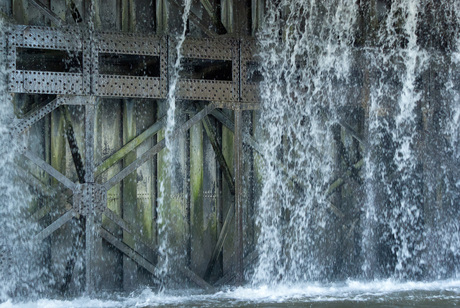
x=127, y=65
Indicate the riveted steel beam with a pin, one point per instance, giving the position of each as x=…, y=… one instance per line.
x=102, y=65
x=50, y=170
x=55, y=225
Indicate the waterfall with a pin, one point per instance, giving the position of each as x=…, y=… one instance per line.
x=306, y=50
x=20, y=271
x=387, y=74
x=168, y=254
x=392, y=162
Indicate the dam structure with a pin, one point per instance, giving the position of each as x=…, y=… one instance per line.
x=207, y=143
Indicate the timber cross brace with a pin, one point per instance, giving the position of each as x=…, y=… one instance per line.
x=77, y=69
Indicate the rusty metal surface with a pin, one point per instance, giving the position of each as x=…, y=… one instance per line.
x=90, y=198
x=207, y=90
x=44, y=82
x=211, y=90
x=33, y=118
x=249, y=90
x=89, y=81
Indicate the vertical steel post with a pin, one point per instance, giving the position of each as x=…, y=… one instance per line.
x=89, y=179
x=238, y=165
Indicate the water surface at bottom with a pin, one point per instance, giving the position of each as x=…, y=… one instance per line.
x=385, y=293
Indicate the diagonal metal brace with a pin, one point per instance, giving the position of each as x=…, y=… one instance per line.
x=74, y=150
x=33, y=118
x=48, y=13
x=55, y=225
x=157, y=148
x=130, y=146
x=220, y=157
x=128, y=251
x=220, y=242
x=50, y=170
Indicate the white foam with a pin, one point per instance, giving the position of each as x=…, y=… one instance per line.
x=351, y=290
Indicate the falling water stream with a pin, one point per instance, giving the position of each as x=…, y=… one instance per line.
x=20, y=264
x=383, y=108
x=170, y=259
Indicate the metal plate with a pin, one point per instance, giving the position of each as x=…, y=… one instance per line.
x=125, y=43
x=216, y=49
x=90, y=198
x=46, y=83
x=250, y=91
x=45, y=38
x=90, y=82
x=209, y=90
x=130, y=86
x=211, y=49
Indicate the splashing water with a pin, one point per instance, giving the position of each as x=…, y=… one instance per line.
x=21, y=273
x=168, y=255
x=403, y=220
x=401, y=215
x=300, y=68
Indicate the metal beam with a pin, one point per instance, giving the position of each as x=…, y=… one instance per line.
x=128, y=228
x=227, y=122
x=135, y=164
x=157, y=148
x=352, y=132
x=36, y=183
x=220, y=157
x=340, y=181
x=74, y=150
x=91, y=240
x=212, y=14
x=220, y=242
x=130, y=146
x=50, y=170
x=238, y=165
x=250, y=259
x=197, y=279
x=55, y=225
x=195, y=19
x=35, y=116
x=48, y=13
x=128, y=251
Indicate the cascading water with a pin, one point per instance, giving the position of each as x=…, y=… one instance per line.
x=306, y=49
x=21, y=273
x=169, y=257
x=392, y=141
x=404, y=221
